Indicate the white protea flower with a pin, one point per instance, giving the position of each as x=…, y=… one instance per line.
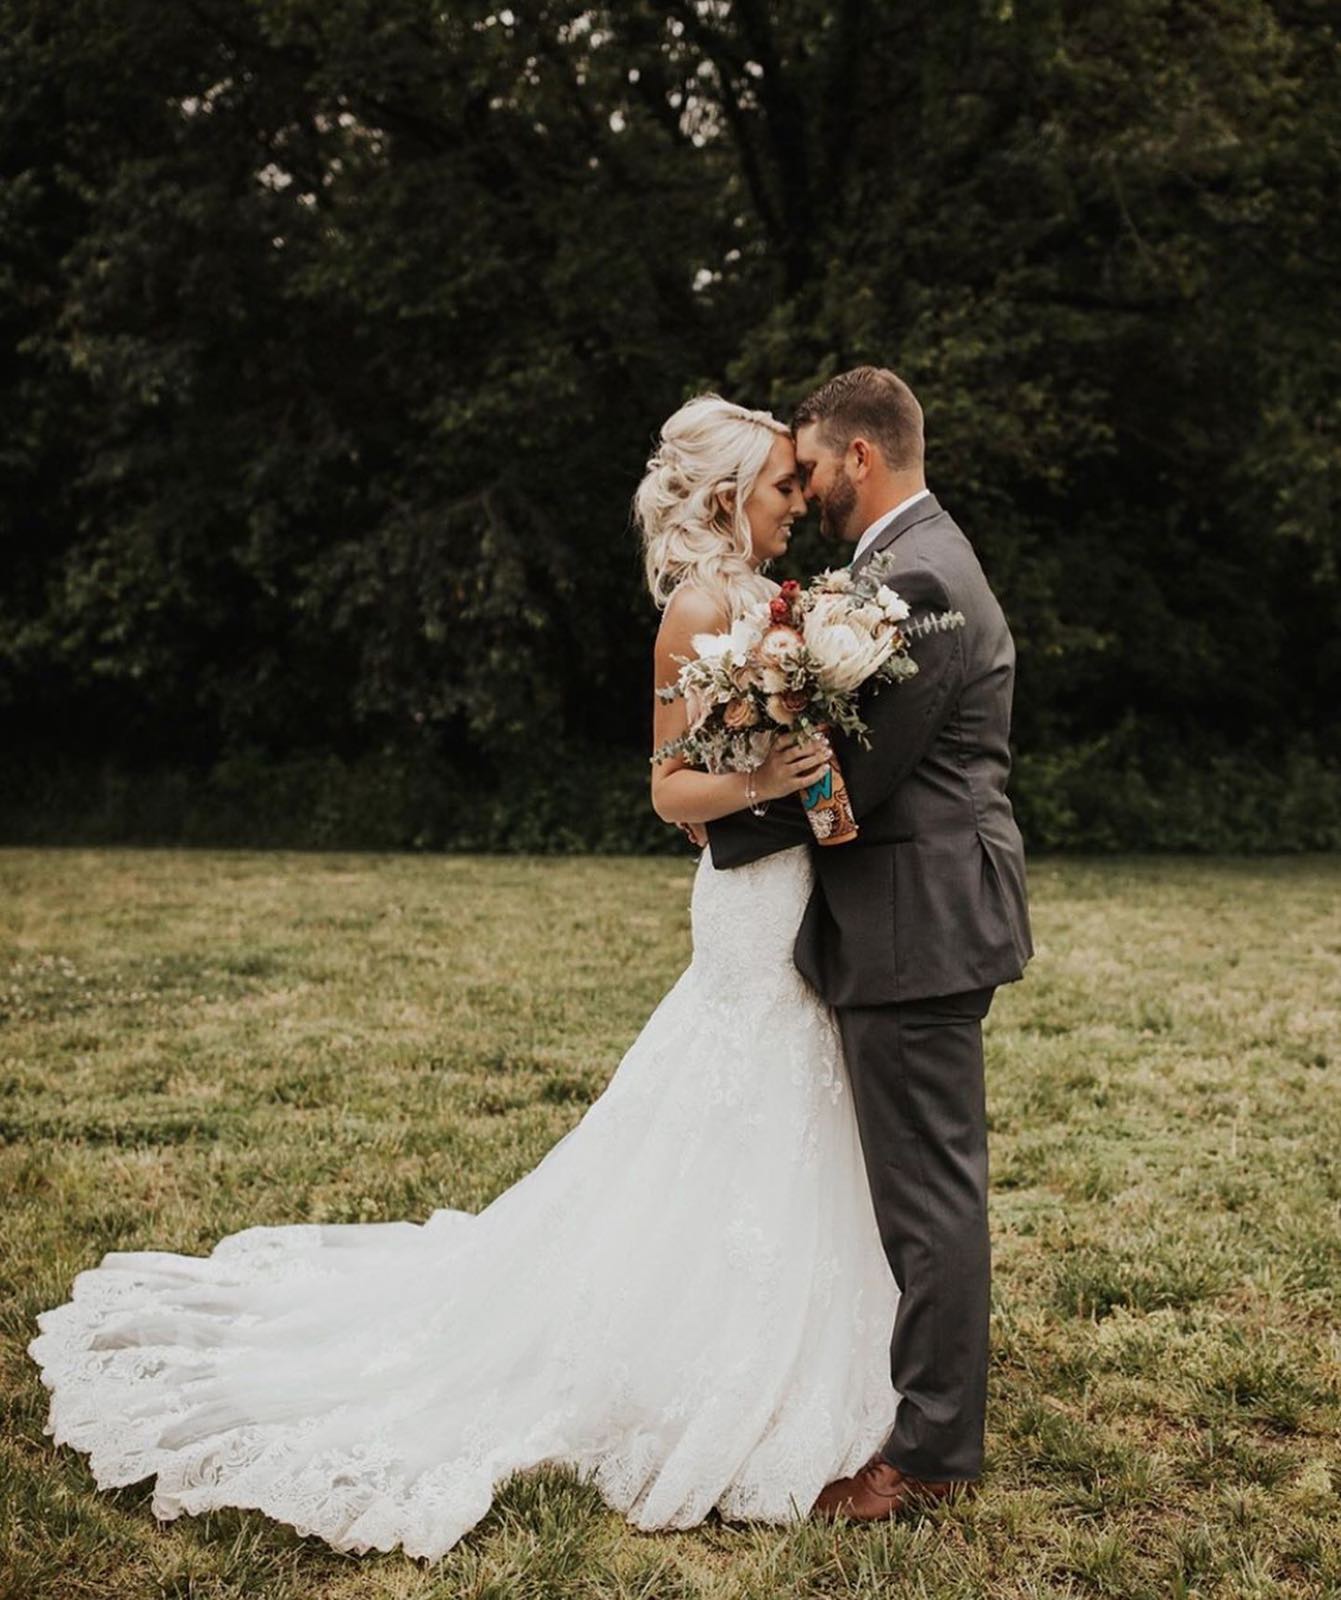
x=845, y=653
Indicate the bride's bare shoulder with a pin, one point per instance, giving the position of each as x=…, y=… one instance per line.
x=691, y=610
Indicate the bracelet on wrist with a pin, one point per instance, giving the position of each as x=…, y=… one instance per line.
x=752, y=797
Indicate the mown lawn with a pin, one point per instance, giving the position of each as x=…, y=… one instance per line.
x=194, y=1042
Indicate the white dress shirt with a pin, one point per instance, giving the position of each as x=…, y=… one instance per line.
x=881, y=523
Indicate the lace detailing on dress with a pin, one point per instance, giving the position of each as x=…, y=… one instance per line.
x=686, y=1300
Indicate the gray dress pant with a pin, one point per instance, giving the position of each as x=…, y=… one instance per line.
x=917, y=1079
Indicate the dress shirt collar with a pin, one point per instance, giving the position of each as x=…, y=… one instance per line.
x=881, y=523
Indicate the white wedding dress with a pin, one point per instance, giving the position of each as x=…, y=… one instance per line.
x=686, y=1300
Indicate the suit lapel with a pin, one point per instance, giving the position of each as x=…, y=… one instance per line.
x=925, y=508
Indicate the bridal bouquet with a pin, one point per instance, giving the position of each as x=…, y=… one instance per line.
x=795, y=664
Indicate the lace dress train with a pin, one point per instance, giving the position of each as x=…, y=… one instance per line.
x=686, y=1300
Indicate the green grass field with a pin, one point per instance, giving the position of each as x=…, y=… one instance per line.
x=194, y=1042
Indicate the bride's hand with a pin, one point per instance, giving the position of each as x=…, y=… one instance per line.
x=792, y=766
x=695, y=832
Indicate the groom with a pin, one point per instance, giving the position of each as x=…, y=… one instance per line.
x=911, y=927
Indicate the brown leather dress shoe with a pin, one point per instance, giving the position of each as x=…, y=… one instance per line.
x=878, y=1491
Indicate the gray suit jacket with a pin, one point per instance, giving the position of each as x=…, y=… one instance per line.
x=930, y=898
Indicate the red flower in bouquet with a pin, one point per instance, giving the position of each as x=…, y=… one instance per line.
x=782, y=608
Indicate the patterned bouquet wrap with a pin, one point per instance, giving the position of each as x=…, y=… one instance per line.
x=795, y=664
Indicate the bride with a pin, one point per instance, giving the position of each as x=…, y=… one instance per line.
x=686, y=1300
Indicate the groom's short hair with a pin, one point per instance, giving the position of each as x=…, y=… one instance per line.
x=868, y=402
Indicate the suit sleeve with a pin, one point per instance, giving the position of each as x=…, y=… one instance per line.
x=904, y=718
x=742, y=837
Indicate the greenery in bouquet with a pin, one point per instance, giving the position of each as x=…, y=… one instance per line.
x=795, y=664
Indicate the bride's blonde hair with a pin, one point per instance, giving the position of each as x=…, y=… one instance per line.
x=690, y=505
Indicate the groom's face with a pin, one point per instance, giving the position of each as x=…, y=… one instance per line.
x=825, y=480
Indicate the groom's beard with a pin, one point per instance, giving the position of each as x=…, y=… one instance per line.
x=837, y=508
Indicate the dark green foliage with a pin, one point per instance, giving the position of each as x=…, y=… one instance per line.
x=340, y=334
x=590, y=800
x=1095, y=798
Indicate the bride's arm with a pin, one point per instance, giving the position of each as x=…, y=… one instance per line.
x=679, y=793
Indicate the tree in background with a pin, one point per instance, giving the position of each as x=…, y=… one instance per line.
x=342, y=332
